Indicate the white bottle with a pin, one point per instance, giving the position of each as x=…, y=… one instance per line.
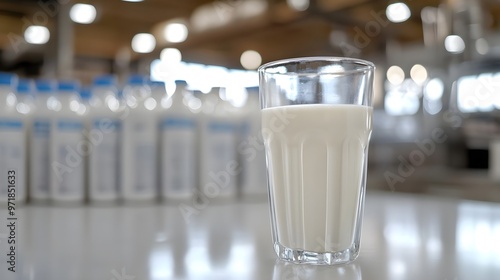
x=158, y=94
x=26, y=106
x=104, y=135
x=178, y=146
x=253, y=178
x=219, y=166
x=40, y=141
x=25, y=99
x=139, y=142
x=12, y=144
x=68, y=147
x=86, y=98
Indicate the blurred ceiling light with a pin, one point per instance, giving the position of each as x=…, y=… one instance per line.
x=171, y=55
x=83, y=13
x=175, y=32
x=395, y=75
x=132, y=0
x=433, y=107
x=250, y=59
x=250, y=8
x=482, y=46
x=299, y=5
x=434, y=89
x=454, y=44
x=418, y=73
x=429, y=15
x=466, y=99
x=398, y=12
x=219, y=13
x=36, y=34
x=208, y=16
x=150, y=103
x=399, y=103
x=170, y=88
x=338, y=38
x=143, y=43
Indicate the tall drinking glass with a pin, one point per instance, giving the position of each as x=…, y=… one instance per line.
x=316, y=125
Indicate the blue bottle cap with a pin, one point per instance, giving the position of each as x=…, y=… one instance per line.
x=253, y=90
x=68, y=85
x=7, y=79
x=119, y=94
x=105, y=80
x=181, y=83
x=85, y=93
x=24, y=86
x=156, y=83
x=136, y=80
x=45, y=86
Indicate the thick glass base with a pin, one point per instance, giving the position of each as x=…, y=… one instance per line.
x=318, y=258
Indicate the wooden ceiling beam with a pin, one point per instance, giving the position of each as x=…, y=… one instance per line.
x=335, y=5
x=277, y=33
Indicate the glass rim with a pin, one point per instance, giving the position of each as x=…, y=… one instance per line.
x=364, y=65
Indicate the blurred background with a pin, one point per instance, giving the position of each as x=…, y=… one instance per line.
x=76, y=71
x=437, y=78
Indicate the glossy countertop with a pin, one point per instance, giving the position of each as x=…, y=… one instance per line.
x=404, y=237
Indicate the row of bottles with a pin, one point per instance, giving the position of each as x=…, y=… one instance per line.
x=68, y=144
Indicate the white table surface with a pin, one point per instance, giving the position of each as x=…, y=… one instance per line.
x=404, y=237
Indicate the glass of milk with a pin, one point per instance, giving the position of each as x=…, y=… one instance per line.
x=316, y=126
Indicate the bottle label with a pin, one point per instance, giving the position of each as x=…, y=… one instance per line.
x=179, y=161
x=103, y=159
x=252, y=158
x=145, y=155
x=68, y=125
x=41, y=128
x=220, y=151
x=221, y=127
x=68, y=158
x=12, y=155
x=40, y=162
x=178, y=123
x=11, y=124
x=143, y=151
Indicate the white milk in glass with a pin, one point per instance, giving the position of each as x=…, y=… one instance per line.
x=316, y=156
